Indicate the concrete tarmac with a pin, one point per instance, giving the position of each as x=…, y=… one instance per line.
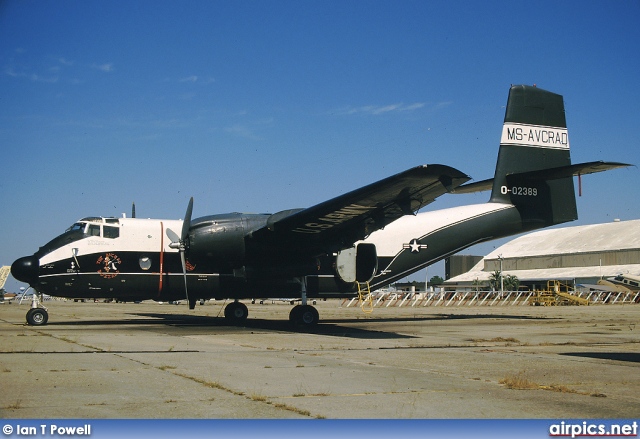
x=149, y=360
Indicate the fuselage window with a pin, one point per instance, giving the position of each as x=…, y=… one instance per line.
x=94, y=230
x=145, y=263
x=111, y=232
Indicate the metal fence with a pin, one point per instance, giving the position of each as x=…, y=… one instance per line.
x=492, y=298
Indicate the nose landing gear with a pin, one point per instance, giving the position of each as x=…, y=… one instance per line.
x=37, y=314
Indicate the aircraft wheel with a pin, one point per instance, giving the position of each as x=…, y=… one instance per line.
x=293, y=314
x=37, y=317
x=236, y=312
x=304, y=315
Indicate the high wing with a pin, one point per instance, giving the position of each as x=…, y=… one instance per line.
x=340, y=222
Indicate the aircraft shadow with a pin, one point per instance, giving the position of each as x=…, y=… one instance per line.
x=327, y=327
x=437, y=317
x=633, y=357
x=190, y=321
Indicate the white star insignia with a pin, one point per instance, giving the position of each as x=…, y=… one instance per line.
x=415, y=246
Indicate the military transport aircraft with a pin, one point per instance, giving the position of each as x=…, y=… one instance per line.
x=371, y=236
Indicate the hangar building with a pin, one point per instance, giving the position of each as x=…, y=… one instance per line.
x=573, y=255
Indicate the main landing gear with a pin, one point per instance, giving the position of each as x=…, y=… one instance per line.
x=236, y=312
x=304, y=315
x=301, y=315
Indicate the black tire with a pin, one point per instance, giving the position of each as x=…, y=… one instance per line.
x=304, y=315
x=37, y=317
x=236, y=312
x=293, y=314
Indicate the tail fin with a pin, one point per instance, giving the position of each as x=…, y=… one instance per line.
x=534, y=170
x=534, y=140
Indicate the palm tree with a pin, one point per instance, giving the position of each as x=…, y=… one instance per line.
x=494, y=280
x=511, y=282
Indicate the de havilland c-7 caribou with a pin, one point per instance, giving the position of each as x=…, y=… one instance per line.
x=371, y=236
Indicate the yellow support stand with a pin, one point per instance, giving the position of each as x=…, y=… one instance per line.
x=365, y=301
x=557, y=293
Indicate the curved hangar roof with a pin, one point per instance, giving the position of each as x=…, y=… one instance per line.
x=565, y=253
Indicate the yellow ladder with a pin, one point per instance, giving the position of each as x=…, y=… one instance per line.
x=365, y=299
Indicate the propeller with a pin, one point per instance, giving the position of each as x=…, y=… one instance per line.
x=181, y=245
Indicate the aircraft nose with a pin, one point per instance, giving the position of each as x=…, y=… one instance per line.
x=25, y=269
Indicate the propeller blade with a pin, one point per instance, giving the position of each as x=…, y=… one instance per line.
x=184, y=275
x=186, y=224
x=173, y=238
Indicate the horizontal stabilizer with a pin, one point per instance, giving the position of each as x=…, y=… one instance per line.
x=478, y=186
x=569, y=171
x=544, y=174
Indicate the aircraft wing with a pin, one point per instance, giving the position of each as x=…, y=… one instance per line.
x=338, y=223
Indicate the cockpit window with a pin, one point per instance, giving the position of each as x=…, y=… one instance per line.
x=111, y=232
x=76, y=227
x=73, y=233
x=84, y=228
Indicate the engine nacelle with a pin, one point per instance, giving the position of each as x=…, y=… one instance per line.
x=357, y=264
x=217, y=242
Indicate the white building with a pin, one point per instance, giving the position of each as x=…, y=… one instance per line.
x=574, y=255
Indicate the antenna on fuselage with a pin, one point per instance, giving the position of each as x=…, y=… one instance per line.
x=133, y=210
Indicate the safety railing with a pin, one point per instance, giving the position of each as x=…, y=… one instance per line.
x=390, y=299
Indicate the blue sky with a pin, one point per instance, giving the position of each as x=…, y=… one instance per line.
x=260, y=106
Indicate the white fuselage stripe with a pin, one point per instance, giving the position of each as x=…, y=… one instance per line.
x=389, y=241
